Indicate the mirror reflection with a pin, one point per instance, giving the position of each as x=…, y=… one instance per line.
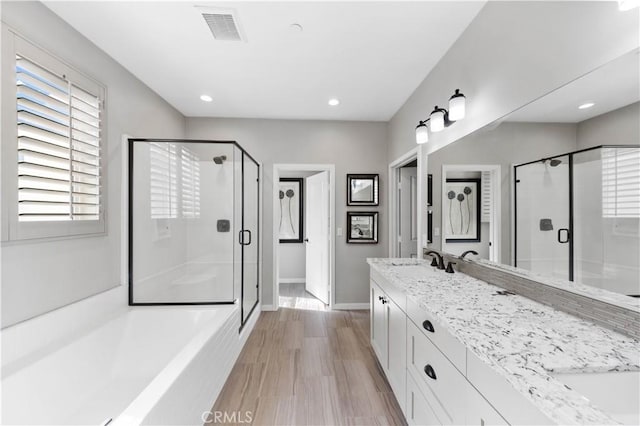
x=558, y=184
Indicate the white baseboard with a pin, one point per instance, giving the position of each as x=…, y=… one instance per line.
x=350, y=306
x=292, y=280
x=269, y=308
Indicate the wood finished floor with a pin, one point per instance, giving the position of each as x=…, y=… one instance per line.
x=308, y=367
x=294, y=295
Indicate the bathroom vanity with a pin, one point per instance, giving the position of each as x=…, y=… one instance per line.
x=457, y=350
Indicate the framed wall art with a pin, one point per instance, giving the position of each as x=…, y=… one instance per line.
x=362, y=190
x=291, y=200
x=461, y=210
x=362, y=227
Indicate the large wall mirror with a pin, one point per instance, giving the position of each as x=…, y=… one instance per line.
x=554, y=187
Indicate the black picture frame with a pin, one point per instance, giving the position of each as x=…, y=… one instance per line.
x=291, y=199
x=357, y=197
x=362, y=227
x=462, y=191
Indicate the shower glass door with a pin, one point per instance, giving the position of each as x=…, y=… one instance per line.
x=543, y=222
x=248, y=236
x=181, y=212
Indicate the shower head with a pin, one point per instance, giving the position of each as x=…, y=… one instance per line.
x=553, y=162
x=220, y=159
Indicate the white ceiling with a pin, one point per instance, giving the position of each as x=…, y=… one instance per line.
x=609, y=87
x=370, y=55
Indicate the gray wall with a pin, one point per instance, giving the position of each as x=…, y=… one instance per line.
x=508, y=144
x=354, y=147
x=544, y=49
x=619, y=127
x=39, y=276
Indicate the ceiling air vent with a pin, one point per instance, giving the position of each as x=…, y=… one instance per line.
x=223, y=26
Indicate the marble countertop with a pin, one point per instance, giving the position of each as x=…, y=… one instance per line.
x=521, y=339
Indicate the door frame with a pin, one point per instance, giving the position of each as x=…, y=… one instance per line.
x=496, y=178
x=394, y=173
x=331, y=168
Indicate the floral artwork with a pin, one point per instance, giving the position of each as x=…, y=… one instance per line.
x=461, y=210
x=290, y=199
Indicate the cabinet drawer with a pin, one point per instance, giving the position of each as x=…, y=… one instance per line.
x=394, y=293
x=510, y=403
x=442, y=384
x=479, y=411
x=419, y=412
x=428, y=326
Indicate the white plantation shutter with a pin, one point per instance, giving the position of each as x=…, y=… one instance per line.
x=58, y=132
x=621, y=182
x=190, y=167
x=164, y=180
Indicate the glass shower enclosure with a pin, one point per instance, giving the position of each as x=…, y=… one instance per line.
x=193, y=224
x=577, y=217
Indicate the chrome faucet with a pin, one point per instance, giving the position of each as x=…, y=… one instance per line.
x=468, y=252
x=440, y=260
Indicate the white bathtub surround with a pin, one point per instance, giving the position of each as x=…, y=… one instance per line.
x=520, y=339
x=142, y=365
x=203, y=279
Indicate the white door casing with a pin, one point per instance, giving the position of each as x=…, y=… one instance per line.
x=317, y=236
x=408, y=212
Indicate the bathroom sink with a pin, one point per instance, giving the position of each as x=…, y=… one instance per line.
x=615, y=393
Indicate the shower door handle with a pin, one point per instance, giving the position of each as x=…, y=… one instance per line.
x=241, y=237
x=564, y=240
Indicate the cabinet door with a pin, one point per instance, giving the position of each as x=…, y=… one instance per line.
x=479, y=411
x=397, y=349
x=379, y=324
x=419, y=412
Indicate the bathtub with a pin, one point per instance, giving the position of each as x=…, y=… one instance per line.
x=142, y=365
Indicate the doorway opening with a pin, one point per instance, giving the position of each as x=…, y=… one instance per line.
x=404, y=195
x=303, y=242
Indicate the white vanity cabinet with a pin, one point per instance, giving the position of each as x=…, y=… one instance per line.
x=379, y=328
x=388, y=339
x=425, y=365
x=479, y=412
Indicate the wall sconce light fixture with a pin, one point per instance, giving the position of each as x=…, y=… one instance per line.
x=440, y=118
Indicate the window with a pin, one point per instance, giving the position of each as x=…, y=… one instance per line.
x=58, y=147
x=173, y=167
x=190, y=184
x=163, y=180
x=621, y=182
x=56, y=137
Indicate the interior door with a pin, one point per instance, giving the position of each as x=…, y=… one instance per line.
x=543, y=218
x=407, y=212
x=317, y=236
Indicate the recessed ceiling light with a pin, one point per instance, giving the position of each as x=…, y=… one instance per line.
x=334, y=102
x=586, y=105
x=206, y=98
